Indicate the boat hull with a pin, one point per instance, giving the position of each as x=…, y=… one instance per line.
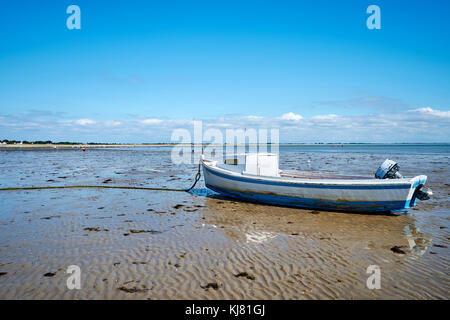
x=351, y=196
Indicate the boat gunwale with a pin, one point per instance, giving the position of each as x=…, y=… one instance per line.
x=380, y=183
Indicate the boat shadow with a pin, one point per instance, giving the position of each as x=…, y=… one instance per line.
x=207, y=193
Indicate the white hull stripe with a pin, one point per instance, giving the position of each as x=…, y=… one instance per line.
x=299, y=185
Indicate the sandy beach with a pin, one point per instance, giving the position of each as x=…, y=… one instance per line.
x=136, y=244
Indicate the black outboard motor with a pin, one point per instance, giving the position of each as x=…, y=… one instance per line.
x=388, y=170
x=423, y=195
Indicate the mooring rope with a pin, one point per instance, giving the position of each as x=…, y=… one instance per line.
x=196, y=179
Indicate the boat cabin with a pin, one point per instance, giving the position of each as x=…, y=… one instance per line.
x=258, y=164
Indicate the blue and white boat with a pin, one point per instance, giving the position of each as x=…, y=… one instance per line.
x=257, y=178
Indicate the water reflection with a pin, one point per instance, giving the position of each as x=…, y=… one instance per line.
x=259, y=237
x=417, y=242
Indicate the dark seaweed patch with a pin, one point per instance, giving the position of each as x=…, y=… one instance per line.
x=50, y=217
x=133, y=289
x=92, y=229
x=397, y=249
x=245, y=275
x=144, y=231
x=213, y=285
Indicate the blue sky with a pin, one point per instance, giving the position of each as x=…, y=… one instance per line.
x=139, y=69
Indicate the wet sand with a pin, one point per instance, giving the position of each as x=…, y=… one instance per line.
x=135, y=244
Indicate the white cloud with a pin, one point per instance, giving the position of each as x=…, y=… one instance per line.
x=218, y=125
x=253, y=117
x=151, y=121
x=85, y=122
x=291, y=116
x=432, y=112
x=326, y=117
x=110, y=123
x=419, y=125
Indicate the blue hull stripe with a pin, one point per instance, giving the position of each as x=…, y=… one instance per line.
x=297, y=185
x=365, y=206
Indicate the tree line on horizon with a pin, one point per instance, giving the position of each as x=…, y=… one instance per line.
x=6, y=141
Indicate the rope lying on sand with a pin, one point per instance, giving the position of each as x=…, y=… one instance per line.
x=197, y=178
x=103, y=187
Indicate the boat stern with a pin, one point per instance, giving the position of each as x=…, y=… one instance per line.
x=415, y=191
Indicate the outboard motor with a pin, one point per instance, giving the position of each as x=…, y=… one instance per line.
x=388, y=170
x=423, y=195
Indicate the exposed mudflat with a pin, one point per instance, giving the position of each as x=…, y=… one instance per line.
x=138, y=244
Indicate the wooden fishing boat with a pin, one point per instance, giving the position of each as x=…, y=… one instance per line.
x=257, y=178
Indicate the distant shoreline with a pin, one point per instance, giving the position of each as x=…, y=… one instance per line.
x=78, y=146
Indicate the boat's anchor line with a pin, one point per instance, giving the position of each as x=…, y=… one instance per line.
x=196, y=179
